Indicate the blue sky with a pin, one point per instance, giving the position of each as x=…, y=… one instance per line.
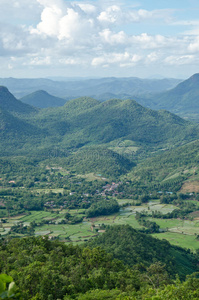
x=41, y=38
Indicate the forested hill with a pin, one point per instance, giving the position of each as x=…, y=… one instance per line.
x=11, y=104
x=182, y=99
x=42, y=99
x=47, y=270
x=86, y=121
x=133, y=247
x=90, y=121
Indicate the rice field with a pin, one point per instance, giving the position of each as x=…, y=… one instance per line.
x=179, y=239
x=178, y=232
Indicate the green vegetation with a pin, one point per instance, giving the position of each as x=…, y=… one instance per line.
x=133, y=247
x=8, y=289
x=108, y=175
x=84, y=122
x=183, y=99
x=45, y=270
x=103, y=207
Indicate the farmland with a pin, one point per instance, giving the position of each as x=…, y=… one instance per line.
x=176, y=231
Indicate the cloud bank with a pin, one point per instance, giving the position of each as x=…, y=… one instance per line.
x=62, y=35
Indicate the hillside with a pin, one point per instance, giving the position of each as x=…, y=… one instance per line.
x=89, y=121
x=15, y=134
x=11, y=104
x=98, y=160
x=133, y=247
x=46, y=270
x=42, y=99
x=171, y=169
x=183, y=99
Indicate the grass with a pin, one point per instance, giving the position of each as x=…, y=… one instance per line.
x=91, y=177
x=37, y=216
x=167, y=223
x=124, y=150
x=47, y=191
x=154, y=206
x=182, y=240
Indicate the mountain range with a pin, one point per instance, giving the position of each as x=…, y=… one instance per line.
x=85, y=122
x=179, y=97
x=88, y=87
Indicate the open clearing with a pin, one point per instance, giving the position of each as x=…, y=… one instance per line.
x=182, y=240
x=190, y=187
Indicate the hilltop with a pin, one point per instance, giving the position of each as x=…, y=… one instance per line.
x=183, y=99
x=11, y=104
x=42, y=99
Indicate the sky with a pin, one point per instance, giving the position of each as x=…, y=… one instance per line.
x=99, y=38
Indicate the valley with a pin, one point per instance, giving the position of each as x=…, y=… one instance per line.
x=110, y=177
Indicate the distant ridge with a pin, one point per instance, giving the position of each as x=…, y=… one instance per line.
x=88, y=87
x=42, y=99
x=184, y=98
x=9, y=103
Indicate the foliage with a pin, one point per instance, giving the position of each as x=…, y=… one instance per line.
x=134, y=247
x=103, y=207
x=8, y=289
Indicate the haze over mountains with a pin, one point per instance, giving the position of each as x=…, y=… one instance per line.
x=88, y=87
x=42, y=99
x=174, y=95
x=183, y=99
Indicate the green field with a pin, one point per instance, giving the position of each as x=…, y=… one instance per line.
x=182, y=240
x=178, y=232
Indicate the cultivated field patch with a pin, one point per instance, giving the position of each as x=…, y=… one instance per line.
x=190, y=187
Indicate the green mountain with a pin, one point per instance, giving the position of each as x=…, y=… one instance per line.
x=133, y=247
x=16, y=133
x=11, y=125
x=11, y=104
x=42, y=99
x=89, y=121
x=98, y=160
x=183, y=99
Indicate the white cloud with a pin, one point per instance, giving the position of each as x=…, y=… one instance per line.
x=194, y=45
x=113, y=38
x=148, y=41
x=39, y=61
x=91, y=34
x=179, y=60
x=12, y=11
x=71, y=61
x=115, y=58
x=88, y=8
x=111, y=15
x=153, y=56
